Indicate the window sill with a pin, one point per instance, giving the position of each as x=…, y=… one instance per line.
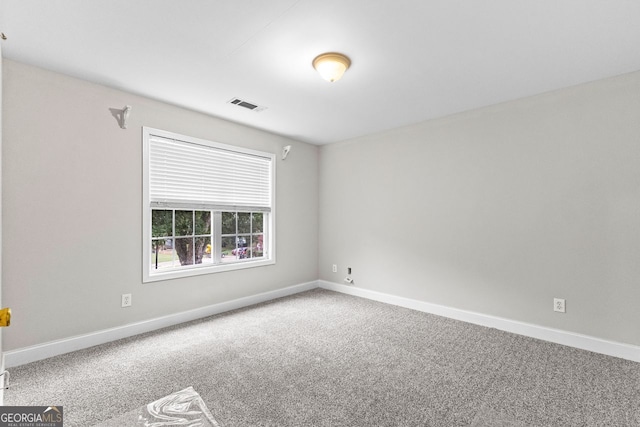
x=199, y=271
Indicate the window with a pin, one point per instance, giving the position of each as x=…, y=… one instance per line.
x=208, y=207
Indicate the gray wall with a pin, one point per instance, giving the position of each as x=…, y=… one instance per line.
x=72, y=205
x=499, y=210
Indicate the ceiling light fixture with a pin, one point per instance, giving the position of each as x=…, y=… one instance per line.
x=331, y=66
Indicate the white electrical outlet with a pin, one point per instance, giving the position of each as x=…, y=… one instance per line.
x=126, y=300
x=558, y=305
x=335, y=268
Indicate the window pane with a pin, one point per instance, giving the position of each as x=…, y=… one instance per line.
x=203, y=222
x=244, y=223
x=257, y=223
x=228, y=249
x=184, y=223
x=257, y=246
x=200, y=249
x=207, y=251
x=184, y=249
x=161, y=254
x=161, y=223
x=228, y=223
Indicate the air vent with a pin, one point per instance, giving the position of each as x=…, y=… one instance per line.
x=248, y=105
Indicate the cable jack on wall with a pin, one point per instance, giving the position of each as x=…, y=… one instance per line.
x=348, y=280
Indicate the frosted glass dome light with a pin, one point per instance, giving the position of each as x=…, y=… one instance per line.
x=331, y=66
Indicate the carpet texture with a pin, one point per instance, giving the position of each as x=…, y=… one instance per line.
x=321, y=358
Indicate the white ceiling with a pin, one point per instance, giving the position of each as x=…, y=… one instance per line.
x=412, y=60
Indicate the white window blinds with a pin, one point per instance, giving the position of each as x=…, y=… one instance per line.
x=208, y=176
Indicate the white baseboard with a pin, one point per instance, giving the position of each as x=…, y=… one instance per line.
x=584, y=342
x=53, y=348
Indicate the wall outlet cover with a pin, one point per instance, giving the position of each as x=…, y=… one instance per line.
x=559, y=305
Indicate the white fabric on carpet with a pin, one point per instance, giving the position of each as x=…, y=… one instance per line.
x=182, y=408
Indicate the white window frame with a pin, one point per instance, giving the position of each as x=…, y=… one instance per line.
x=199, y=269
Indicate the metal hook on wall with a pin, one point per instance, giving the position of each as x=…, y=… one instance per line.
x=125, y=115
x=285, y=151
x=121, y=116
